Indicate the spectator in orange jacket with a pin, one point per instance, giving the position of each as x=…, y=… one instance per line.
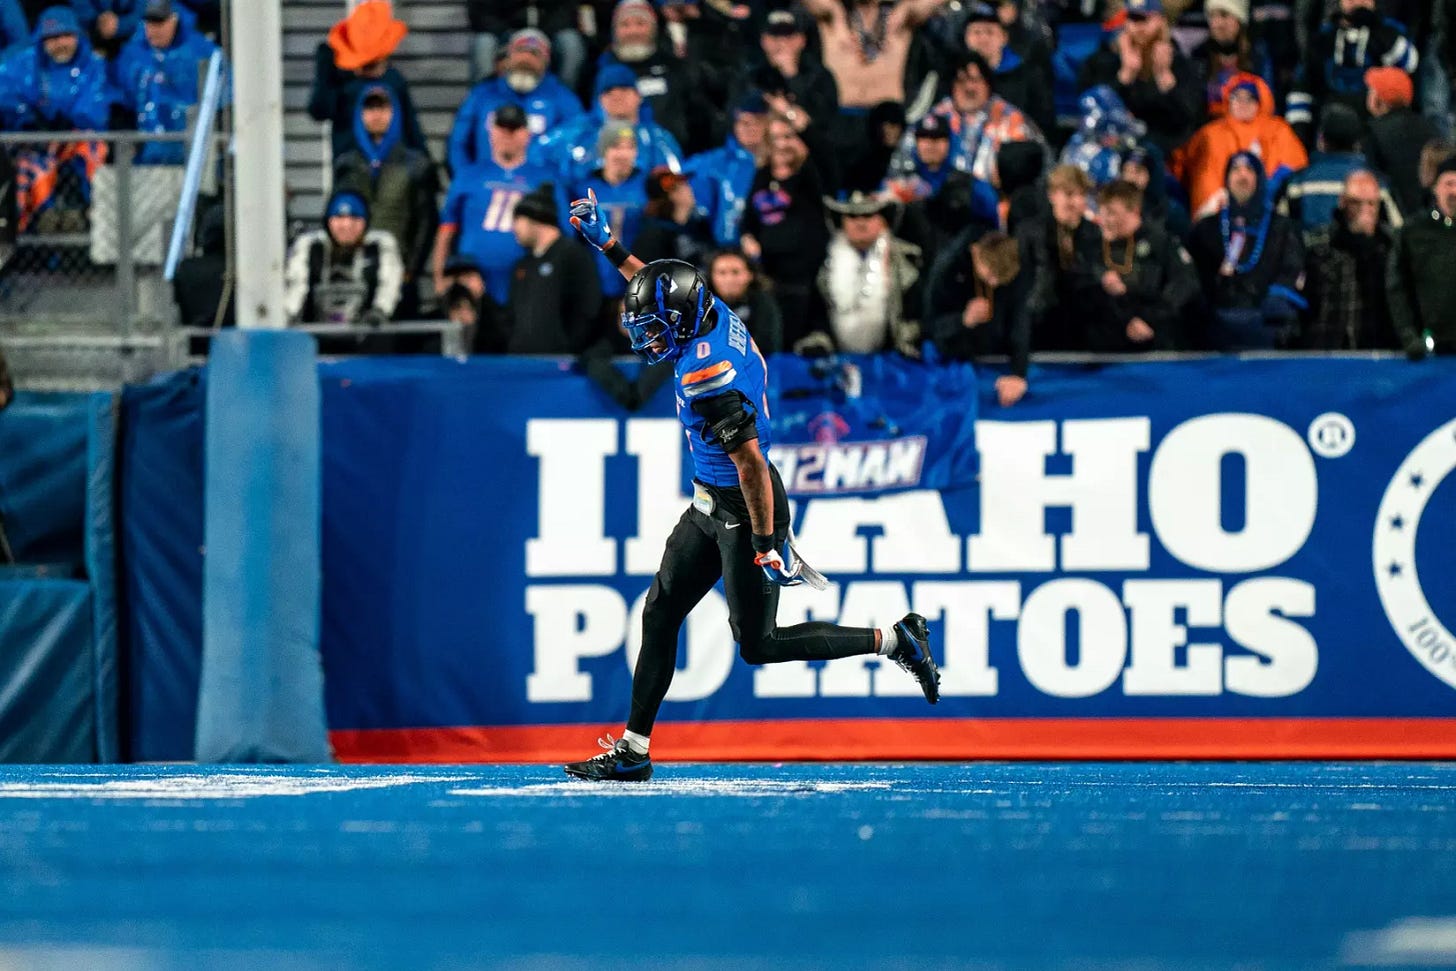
x=1250, y=126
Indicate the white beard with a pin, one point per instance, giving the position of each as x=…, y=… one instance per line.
x=859, y=295
x=522, y=82
x=633, y=53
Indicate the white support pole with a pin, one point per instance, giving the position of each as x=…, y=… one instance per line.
x=257, y=40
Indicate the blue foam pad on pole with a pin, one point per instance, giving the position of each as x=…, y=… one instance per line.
x=261, y=693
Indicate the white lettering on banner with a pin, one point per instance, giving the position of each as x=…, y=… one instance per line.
x=1074, y=636
x=1041, y=638
x=710, y=650
x=1281, y=493
x=843, y=467
x=916, y=536
x=1256, y=615
x=1157, y=637
x=967, y=609
x=1101, y=491
x=572, y=622
x=657, y=445
x=570, y=535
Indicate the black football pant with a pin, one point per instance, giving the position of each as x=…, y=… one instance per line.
x=700, y=550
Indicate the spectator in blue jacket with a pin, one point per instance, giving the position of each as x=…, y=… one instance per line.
x=572, y=149
x=522, y=80
x=721, y=177
x=157, y=78
x=1312, y=195
x=336, y=92
x=55, y=84
x=14, y=30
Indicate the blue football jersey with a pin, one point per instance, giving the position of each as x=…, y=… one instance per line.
x=723, y=361
x=481, y=204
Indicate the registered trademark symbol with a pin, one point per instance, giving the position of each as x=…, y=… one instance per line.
x=1331, y=435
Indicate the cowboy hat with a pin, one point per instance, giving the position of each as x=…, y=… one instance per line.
x=367, y=35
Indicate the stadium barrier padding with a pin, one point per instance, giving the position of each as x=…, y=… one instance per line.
x=58, y=604
x=1203, y=558
x=260, y=697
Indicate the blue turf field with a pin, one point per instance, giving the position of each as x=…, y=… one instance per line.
x=979, y=866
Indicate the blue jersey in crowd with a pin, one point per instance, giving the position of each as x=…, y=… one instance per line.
x=621, y=207
x=722, y=361
x=547, y=108
x=721, y=178
x=481, y=205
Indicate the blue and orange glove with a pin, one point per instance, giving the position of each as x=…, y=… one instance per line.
x=780, y=566
x=586, y=217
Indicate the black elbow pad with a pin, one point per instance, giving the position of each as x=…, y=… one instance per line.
x=731, y=418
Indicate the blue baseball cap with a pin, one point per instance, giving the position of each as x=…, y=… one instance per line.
x=751, y=103
x=1143, y=8
x=615, y=76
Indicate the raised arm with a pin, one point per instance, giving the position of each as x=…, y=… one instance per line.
x=587, y=219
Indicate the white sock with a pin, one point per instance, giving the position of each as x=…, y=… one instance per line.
x=637, y=743
x=888, y=639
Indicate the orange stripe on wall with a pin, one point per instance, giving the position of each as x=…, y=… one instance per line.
x=856, y=739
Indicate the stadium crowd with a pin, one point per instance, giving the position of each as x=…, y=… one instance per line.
x=959, y=178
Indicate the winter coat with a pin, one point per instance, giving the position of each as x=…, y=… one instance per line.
x=372, y=272
x=547, y=107
x=1311, y=196
x=667, y=86
x=1160, y=282
x=37, y=94
x=1420, y=283
x=1171, y=116
x=952, y=284
x=571, y=150
x=1394, y=146
x=1213, y=74
x=159, y=86
x=1200, y=165
x=1345, y=285
x=1028, y=87
x=721, y=178
x=1336, y=62
x=977, y=136
x=399, y=184
x=1055, y=280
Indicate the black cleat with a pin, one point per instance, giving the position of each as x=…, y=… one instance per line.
x=617, y=764
x=913, y=654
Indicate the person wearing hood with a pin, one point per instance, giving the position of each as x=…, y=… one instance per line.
x=1419, y=280
x=478, y=206
x=1141, y=281
x=1020, y=82
x=1229, y=49
x=1312, y=196
x=1249, y=126
x=721, y=177
x=523, y=80
x=1143, y=166
x=355, y=57
x=981, y=121
x=1345, y=271
x=1250, y=262
x=975, y=305
x=1151, y=76
x=663, y=81
x=57, y=83
x=397, y=182
x=344, y=272
x=940, y=199
x=156, y=77
x=1354, y=39
x=571, y=149
x=672, y=226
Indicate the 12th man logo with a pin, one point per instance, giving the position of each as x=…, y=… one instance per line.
x=1394, y=547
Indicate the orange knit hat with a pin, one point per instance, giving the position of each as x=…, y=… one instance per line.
x=368, y=34
x=1392, y=85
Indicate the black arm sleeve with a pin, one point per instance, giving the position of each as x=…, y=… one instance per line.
x=731, y=419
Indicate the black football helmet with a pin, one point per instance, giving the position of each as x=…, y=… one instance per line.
x=664, y=308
